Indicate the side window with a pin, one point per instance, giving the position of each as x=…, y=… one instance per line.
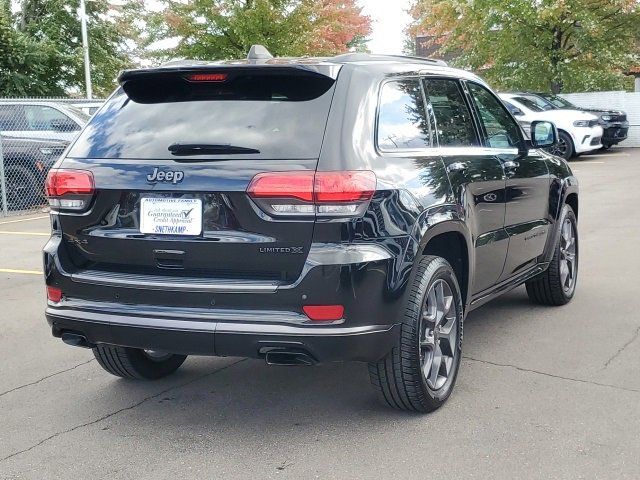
x=512, y=108
x=402, y=119
x=453, y=118
x=43, y=118
x=501, y=131
x=12, y=118
x=532, y=103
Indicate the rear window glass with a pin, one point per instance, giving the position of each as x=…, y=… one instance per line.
x=402, y=119
x=270, y=116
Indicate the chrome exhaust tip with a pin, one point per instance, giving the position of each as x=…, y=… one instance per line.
x=76, y=340
x=288, y=358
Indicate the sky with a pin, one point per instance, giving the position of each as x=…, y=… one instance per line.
x=389, y=19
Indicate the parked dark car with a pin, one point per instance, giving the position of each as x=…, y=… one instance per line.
x=303, y=211
x=614, y=122
x=26, y=164
x=41, y=120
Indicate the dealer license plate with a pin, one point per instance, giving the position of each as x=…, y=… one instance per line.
x=171, y=216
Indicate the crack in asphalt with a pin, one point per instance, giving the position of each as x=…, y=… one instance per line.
x=46, y=377
x=560, y=377
x=124, y=409
x=193, y=380
x=615, y=355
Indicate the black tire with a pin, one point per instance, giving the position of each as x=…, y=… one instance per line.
x=564, y=148
x=399, y=377
x=606, y=146
x=549, y=288
x=136, y=364
x=23, y=189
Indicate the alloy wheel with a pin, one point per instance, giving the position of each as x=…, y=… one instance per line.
x=438, y=335
x=568, y=256
x=560, y=149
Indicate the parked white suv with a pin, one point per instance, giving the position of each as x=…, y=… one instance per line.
x=41, y=120
x=579, y=132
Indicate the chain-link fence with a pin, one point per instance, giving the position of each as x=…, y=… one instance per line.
x=33, y=135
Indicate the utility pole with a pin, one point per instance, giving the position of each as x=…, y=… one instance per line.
x=85, y=48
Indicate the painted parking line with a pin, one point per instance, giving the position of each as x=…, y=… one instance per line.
x=37, y=234
x=25, y=272
x=6, y=222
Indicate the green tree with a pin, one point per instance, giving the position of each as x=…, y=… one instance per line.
x=557, y=45
x=56, y=22
x=223, y=29
x=43, y=45
x=22, y=60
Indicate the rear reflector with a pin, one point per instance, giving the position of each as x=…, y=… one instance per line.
x=207, y=77
x=54, y=294
x=323, y=313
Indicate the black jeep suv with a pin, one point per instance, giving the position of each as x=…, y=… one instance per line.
x=303, y=211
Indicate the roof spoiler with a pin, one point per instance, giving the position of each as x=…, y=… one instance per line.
x=233, y=71
x=258, y=61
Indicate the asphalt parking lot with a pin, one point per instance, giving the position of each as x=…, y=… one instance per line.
x=543, y=392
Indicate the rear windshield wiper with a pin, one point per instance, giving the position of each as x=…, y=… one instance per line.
x=184, y=149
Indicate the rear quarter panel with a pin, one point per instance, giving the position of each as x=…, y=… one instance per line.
x=413, y=189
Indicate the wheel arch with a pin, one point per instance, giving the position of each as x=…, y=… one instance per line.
x=567, y=194
x=572, y=201
x=451, y=240
x=573, y=141
x=566, y=132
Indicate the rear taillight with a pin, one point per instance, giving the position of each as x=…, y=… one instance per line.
x=297, y=185
x=336, y=193
x=69, y=189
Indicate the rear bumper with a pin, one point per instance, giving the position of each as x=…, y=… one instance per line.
x=199, y=336
x=229, y=318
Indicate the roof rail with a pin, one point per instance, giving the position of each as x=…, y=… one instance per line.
x=363, y=57
x=437, y=61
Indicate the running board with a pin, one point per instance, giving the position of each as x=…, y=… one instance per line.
x=505, y=286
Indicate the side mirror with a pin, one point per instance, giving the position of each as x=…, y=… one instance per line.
x=543, y=134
